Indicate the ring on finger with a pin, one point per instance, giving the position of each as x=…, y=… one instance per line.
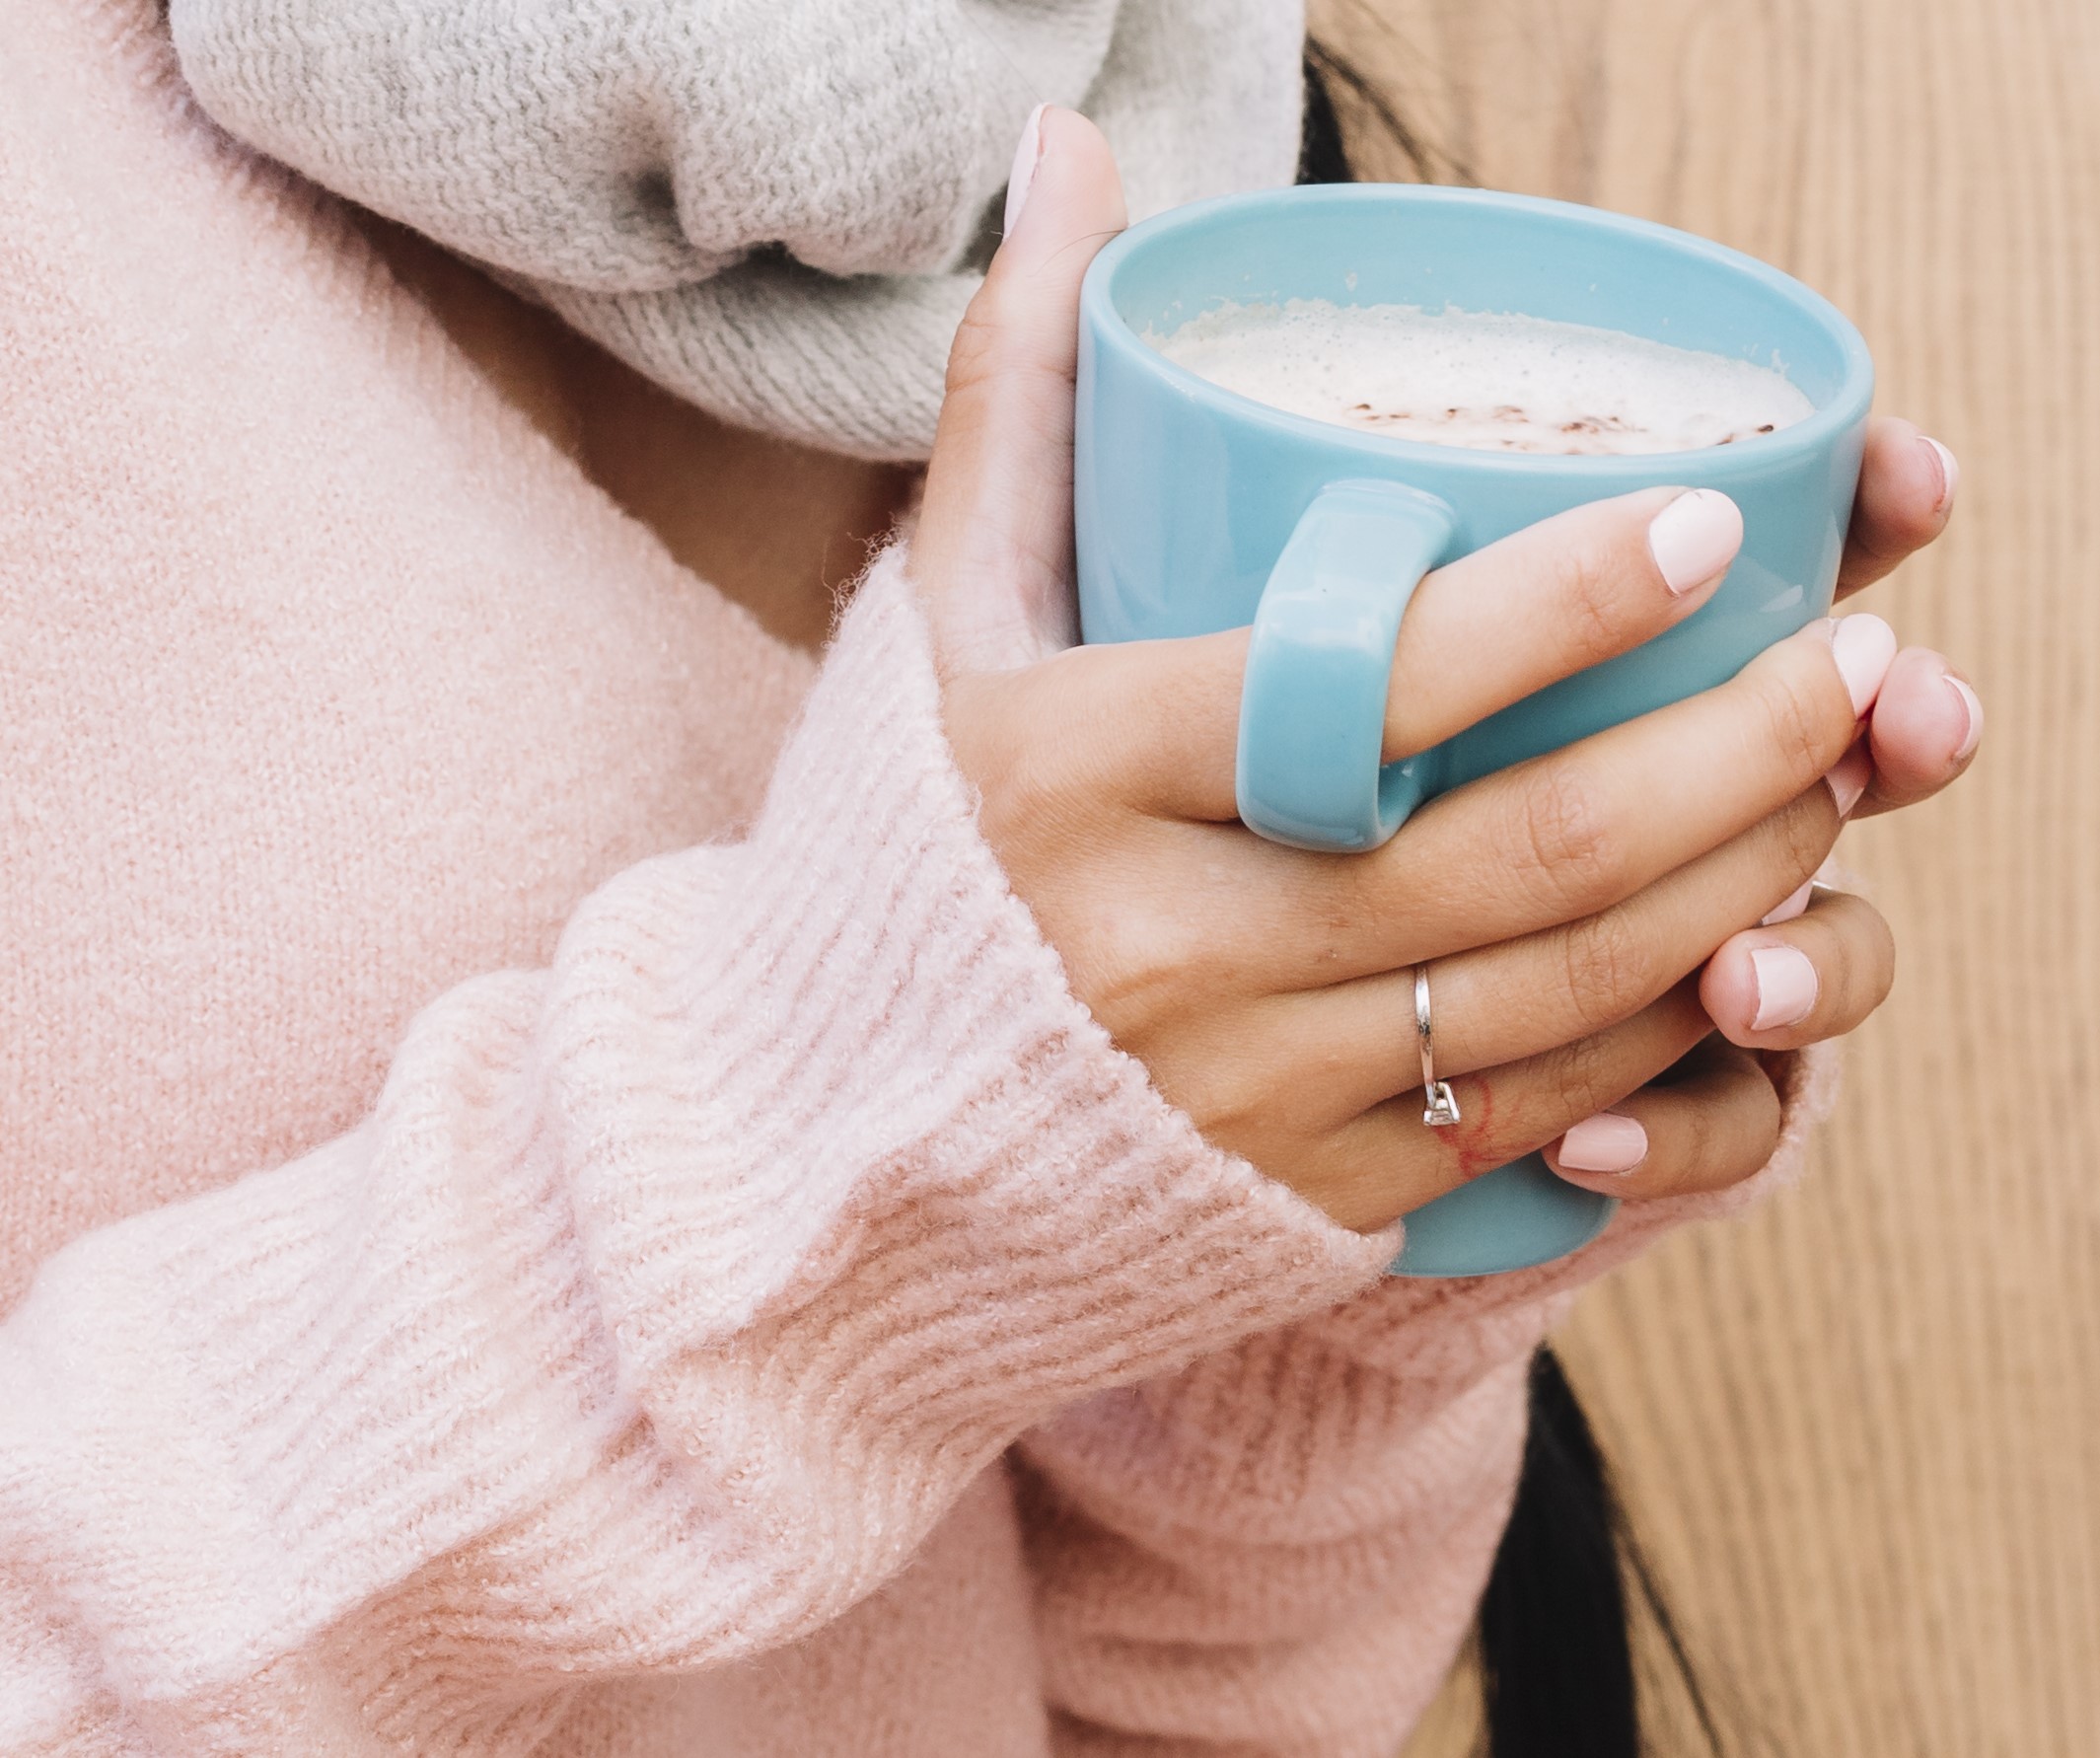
x=1440, y=1108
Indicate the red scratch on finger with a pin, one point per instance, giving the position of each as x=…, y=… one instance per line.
x=1474, y=1132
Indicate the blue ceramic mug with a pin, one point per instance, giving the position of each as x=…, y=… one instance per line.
x=1199, y=510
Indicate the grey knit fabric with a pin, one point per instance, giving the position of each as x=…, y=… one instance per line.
x=770, y=206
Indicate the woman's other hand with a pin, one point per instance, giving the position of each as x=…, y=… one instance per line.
x=1775, y=986
x=1568, y=905
x=1929, y=721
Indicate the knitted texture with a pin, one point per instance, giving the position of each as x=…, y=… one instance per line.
x=770, y=206
x=1278, y=1549
x=766, y=1317
x=670, y=1297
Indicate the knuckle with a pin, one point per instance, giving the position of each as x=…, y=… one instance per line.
x=1805, y=839
x=1346, y=897
x=1583, y=1077
x=1232, y=1111
x=1607, y=969
x=974, y=353
x=1567, y=855
x=1802, y=726
x=1136, y=968
x=1044, y=744
x=1356, y=1176
x=1337, y=921
x=1024, y=784
x=1587, y=590
x=997, y=350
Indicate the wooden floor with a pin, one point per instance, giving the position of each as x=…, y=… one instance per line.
x=1862, y=1432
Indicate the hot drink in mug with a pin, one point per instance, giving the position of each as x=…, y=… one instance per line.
x=1293, y=405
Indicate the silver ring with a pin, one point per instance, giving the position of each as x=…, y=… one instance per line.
x=1441, y=1110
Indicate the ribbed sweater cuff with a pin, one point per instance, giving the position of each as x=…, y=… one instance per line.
x=956, y=1204
x=1457, y=1332
x=668, y=1297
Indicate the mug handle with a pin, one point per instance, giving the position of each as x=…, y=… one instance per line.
x=1319, y=662
x=1311, y=728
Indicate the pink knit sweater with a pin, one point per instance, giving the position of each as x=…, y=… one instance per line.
x=540, y=1210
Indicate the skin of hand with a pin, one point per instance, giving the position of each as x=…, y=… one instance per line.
x=1571, y=907
x=776, y=527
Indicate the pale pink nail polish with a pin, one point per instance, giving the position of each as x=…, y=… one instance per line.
x=1694, y=538
x=1864, y=648
x=1847, y=779
x=1786, y=987
x=1026, y=157
x=1606, y=1142
x=1974, y=710
x=1796, y=904
x=1950, y=472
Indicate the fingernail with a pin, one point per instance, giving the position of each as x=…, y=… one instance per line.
x=1975, y=711
x=1798, y=905
x=1027, y=156
x=1864, y=648
x=1950, y=472
x=1606, y=1142
x=1849, y=777
x=1694, y=538
x=1786, y=987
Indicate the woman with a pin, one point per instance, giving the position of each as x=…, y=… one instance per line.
x=863, y=1238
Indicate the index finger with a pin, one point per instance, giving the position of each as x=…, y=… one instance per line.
x=1480, y=633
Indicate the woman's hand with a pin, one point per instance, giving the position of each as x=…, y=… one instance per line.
x=1568, y=905
x=1929, y=721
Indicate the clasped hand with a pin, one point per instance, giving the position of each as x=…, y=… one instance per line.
x=1620, y=932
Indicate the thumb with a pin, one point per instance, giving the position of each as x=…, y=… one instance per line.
x=992, y=558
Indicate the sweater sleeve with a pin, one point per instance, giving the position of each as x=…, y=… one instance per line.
x=663, y=1303
x=1276, y=1551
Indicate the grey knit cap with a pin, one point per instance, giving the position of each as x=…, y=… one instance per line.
x=771, y=207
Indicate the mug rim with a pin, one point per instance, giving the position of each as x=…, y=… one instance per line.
x=1846, y=405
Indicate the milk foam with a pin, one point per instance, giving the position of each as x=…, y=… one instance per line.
x=1491, y=382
